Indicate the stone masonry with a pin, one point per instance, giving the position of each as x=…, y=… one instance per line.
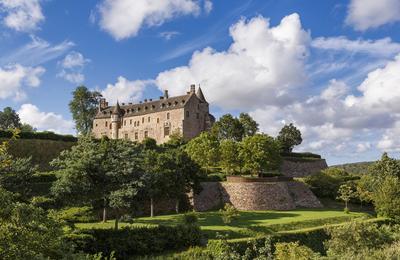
x=302, y=168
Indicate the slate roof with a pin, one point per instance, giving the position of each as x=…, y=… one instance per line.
x=148, y=107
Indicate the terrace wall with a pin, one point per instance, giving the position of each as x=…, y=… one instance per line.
x=301, y=168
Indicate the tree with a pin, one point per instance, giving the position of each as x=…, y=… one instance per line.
x=386, y=197
x=250, y=126
x=228, y=127
x=204, y=149
x=289, y=136
x=9, y=119
x=230, y=161
x=345, y=193
x=95, y=171
x=83, y=107
x=27, y=128
x=260, y=153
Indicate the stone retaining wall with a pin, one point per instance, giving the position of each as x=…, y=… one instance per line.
x=254, y=196
x=302, y=168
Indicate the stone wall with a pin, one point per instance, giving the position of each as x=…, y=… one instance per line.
x=302, y=168
x=254, y=196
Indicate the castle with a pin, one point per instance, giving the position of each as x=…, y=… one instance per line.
x=187, y=115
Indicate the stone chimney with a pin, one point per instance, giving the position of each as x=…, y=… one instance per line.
x=165, y=94
x=192, y=88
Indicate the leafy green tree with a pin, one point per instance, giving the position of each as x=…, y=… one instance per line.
x=289, y=136
x=386, y=166
x=27, y=128
x=204, y=149
x=175, y=140
x=250, y=126
x=228, y=127
x=26, y=232
x=9, y=119
x=386, y=197
x=95, y=171
x=260, y=153
x=230, y=161
x=149, y=144
x=345, y=193
x=83, y=107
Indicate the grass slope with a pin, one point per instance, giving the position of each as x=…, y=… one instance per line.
x=249, y=223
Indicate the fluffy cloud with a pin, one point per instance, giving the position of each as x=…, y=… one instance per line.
x=365, y=14
x=48, y=121
x=22, y=15
x=208, y=6
x=72, y=67
x=14, y=78
x=124, y=18
x=260, y=67
x=124, y=90
x=382, y=47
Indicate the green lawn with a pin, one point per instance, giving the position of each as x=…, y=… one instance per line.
x=249, y=223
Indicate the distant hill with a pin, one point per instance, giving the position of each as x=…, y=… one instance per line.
x=355, y=168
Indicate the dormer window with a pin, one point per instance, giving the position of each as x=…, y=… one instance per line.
x=183, y=102
x=162, y=105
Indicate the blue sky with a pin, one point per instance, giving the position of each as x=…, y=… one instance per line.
x=331, y=67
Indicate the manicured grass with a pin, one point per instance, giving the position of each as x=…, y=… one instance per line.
x=249, y=223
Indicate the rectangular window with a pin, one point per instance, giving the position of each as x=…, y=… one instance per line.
x=197, y=115
x=137, y=123
x=110, y=126
x=148, y=119
x=167, y=116
x=158, y=120
x=187, y=113
x=166, y=131
x=142, y=120
x=146, y=134
x=124, y=122
x=136, y=136
x=130, y=122
x=126, y=136
x=106, y=123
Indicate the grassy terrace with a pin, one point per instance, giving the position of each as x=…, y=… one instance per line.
x=249, y=223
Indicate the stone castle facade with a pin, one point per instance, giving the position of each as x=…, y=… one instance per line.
x=187, y=115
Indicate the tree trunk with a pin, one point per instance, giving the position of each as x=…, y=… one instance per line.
x=345, y=204
x=151, y=207
x=177, y=206
x=116, y=222
x=105, y=211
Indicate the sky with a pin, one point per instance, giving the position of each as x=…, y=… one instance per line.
x=330, y=67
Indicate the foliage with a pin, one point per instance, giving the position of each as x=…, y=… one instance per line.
x=83, y=107
x=43, y=202
x=127, y=242
x=356, y=236
x=249, y=125
x=289, y=136
x=260, y=153
x=229, y=213
x=190, y=218
x=228, y=127
x=26, y=232
x=354, y=168
x=75, y=214
x=345, y=193
x=27, y=128
x=46, y=135
x=9, y=119
x=230, y=161
x=300, y=155
x=204, y=149
x=386, y=197
x=294, y=251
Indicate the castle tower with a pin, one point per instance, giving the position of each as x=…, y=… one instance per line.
x=115, y=121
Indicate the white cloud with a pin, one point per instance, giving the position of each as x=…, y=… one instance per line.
x=72, y=67
x=168, y=35
x=14, y=78
x=22, y=15
x=49, y=121
x=208, y=6
x=124, y=18
x=124, y=90
x=260, y=67
x=363, y=147
x=366, y=14
x=382, y=47
x=37, y=52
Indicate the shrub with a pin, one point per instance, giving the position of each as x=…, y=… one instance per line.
x=293, y=251
x=131, y=241
x=190, y=218
x=39, y=135
x=43, y=202
x=77, y=214
x=229, y=213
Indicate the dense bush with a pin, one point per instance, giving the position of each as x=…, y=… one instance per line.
x=301, y=155
x=76, y=214
x=43, y=202
x=131, y=241
x=39, y=135
x=213, y=177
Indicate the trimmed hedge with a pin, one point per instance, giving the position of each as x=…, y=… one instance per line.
x=39, y=135
x=131, y=241
x=301, y=155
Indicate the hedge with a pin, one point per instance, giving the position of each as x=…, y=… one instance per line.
x=131, y=241
x=301, y=155
x=39, y=135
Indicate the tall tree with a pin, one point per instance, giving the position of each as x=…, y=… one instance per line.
x=83, y=107
x=228, y=127
x=204, y=149
x=250, y=126
x=9, y=119
x=289, y=136
x=230, y=161
x=260, y=153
